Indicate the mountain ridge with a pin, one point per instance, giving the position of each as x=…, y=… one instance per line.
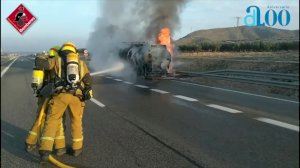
x=238, y=34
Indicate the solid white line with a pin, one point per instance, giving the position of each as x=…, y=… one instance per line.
x=119, y=80
x=6, y=68
x=129, y=83
x=97, y=102
x=245, y=93
x=185, y=98
x=279, y=123
x=230, y=110
x=8, y=134
x=141, y=86
x=159, y=91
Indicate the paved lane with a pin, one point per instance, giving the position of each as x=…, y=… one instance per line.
x=157, y=124
x=110, y=140
x=209, y=136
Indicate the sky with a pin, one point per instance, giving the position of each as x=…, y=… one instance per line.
x=59, y=21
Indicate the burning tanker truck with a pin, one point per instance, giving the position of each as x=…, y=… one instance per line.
x=84, y=54
x=150, y=60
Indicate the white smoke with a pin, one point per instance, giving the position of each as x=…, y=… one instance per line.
x=117, y=67
x=129, y=21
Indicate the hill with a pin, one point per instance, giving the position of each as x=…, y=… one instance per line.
x=241, y=33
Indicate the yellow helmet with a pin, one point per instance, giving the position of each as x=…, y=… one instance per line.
x=69, y=46
x=53, y=52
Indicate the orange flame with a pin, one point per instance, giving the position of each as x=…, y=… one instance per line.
x=164, y=38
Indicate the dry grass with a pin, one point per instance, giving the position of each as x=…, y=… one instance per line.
x=281, y=62
x=274, y=56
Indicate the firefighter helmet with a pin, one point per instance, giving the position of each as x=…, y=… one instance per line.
x=53, y=52
x=69, y=46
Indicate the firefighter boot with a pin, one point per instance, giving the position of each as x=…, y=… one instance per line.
x=76, y=152
x=44, y=154
x=61, y=151
x=29, y=147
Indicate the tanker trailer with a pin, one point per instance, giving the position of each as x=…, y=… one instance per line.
x=148, y=60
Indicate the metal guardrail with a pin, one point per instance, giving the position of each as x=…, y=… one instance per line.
x=272, y=75
x=256, y=72
x=252, y=61
x=254, y=77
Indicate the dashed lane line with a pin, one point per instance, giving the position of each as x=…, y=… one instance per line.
x=278, y=123
x=227, y=109
x=141, y=86
x=119, y=80
x=159, y=91
x=186, y=98
x=97, y=102
x=8, y=134
x=6, y=68
x=129, y=83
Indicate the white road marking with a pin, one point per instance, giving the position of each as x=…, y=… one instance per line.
x=129, y=83
x=119, y=80
x=141, y=86
x=6, y=68
x=97, y=102
x=278, y=123
x=185, y=98
x=245, y=93
x=108, y=77
x=8, y=134
x=159, y=91
x=230, y=110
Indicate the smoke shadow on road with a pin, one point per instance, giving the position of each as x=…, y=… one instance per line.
x=13, y=141
x=102, y=80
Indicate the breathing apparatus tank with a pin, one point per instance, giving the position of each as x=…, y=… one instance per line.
x=37, y=79
x=38, y=72
x=72, y=69
x=41, y=61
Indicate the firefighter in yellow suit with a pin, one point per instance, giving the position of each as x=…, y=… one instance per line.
x=72, y=88
x=35, y=132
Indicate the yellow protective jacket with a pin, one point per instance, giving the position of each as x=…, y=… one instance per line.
x=56, y=67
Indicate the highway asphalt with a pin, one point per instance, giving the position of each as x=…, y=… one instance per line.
x=166, y=123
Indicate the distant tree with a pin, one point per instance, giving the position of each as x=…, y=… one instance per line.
x=244, y=46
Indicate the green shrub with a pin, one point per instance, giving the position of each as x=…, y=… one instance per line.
x=244, y=46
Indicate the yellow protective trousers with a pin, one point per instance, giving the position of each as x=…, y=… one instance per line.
x=36, y=129
x=57, y=107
